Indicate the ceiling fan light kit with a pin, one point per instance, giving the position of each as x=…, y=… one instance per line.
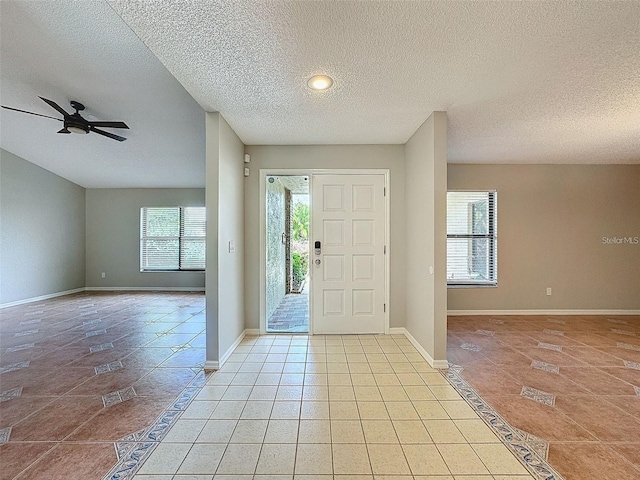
x=75, y=123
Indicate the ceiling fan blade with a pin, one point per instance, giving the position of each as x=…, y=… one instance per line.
x=109, y=124
x=31, y=113
x=64, y=130
x=107, y=134
x=56, y=106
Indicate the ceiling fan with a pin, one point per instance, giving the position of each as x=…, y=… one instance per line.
x=75, y=123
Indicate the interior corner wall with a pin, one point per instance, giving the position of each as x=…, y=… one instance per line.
x=425, y=236
x=113, y=237
x=557, y=226
x=212, y=201
x=225, y=238
x=42, y=231
x=307, y=157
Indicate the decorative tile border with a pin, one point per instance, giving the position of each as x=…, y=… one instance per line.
x=25, y=333
x=633, y=365
x=556, y=321
x=538, y=396
x=178, y=348
x=17, y=348
x=545, y=367
x=93, y=333
x=623, y=332
x=133, y=458
x=10, y=394
x=558, y=333
x=14, y=366
x=540, y=445
x=488, y=333
x=5, y=433
x=108, y=367
x=101, y=347
x=550, y=346
x=31, y=322
x=525, y=447
x=627, y=346
x=132, y=450
x=615, y=320
x=185, y=398
x=471, y=347
x=118, y=396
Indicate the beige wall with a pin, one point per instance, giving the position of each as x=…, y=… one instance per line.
x=42, y=231
x=230, y=229
x=425, y=197
x=330, y=157
x=225, y=223
x=113, y=237
x=551, y=220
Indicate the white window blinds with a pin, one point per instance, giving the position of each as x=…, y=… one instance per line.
x=172, y=238
x=471, y=238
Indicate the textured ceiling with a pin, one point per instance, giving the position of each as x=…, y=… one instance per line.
x=82, y=51
x=521, y=81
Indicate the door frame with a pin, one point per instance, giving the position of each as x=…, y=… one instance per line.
x=263, y=174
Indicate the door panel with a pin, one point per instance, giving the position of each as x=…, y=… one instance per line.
x=349, y=218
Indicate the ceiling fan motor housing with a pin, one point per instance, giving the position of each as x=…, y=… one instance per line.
x=75, y=123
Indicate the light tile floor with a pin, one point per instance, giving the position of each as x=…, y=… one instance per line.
x=343, y=407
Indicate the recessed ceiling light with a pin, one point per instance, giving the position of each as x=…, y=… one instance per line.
x=320, y=82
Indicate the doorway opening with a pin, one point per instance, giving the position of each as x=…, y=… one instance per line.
x=287, y=249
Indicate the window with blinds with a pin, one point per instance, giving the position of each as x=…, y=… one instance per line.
x=172, y=238
x=472, y=238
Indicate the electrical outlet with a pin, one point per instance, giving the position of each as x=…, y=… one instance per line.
x=548, y=291
x=104, y=275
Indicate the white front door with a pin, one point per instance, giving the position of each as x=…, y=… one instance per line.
x=348, y=276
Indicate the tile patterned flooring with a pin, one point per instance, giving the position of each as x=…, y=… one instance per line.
x=111, y=386
x=80, y=372
x=569, y=382
x=334, y=407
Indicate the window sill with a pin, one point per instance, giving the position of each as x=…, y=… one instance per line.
x=472, y=285
x=172, y=271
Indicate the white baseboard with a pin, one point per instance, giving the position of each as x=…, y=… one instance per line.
x=420, y=348
x=252, y=332
x=144, y=289
x=225, y=356
x=41, y=297
x=210, y=365
x=454, y=313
